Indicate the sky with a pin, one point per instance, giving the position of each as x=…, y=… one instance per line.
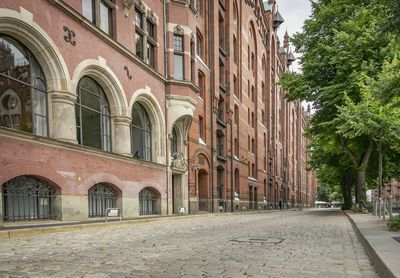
x=294, y=13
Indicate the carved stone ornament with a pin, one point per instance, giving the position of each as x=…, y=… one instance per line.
x=179, y=30
x=192, y=38
x=151, y=16
x=178, y=162
x=127, y=6
x=140, y=5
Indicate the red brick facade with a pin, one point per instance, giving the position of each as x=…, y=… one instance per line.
x=222, y=136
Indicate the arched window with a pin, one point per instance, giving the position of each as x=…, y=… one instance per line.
x=27, y=198
x=101, y=197
x=174, y=141
x=141, y=133
x=23, y=97
x=93, y=116
x=149, y=202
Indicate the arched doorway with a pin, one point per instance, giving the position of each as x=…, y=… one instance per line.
x=101, y=197
x=28, y=198
x=149, y=202
x=203, y=190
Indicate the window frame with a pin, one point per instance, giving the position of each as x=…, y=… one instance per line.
x=96, y=16
x=104, y=103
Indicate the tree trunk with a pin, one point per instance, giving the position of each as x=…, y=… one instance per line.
x=347, y=184
x=360, y=185
x=362, y=166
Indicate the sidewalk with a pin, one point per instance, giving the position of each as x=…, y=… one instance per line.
x=13, y=230
x=379, y=243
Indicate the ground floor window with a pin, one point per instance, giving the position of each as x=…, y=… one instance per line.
x=101, y=197
x=27, y=198
x=149, y=202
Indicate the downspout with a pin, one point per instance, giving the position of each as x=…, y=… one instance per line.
x=232, y=155
x=165, y=101
x=212, y=93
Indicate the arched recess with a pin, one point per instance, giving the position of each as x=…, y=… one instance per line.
x=29, y=197
x=22, y=27
x=149, y=201
x=153, y=109
x=180, y=110
x=106, y=78
x=102, y=196
x=109, y=83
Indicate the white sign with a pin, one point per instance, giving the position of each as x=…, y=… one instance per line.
x=113, y=213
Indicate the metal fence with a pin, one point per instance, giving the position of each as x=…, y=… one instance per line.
x=386, y=207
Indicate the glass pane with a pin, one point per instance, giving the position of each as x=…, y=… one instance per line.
x=136, y=116
x=137, y=143
x=105, y=15
x=89, y=93
x=139, y=45
x=178, y=43
x=14, y=60
x=138, y=19
x=150, y=29
x=91, y=128
x=87, y=9
x=178, y=67
x=150, y=54
x=15, y=105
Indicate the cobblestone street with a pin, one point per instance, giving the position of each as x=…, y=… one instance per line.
x=313, y=243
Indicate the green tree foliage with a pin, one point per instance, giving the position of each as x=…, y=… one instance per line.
x=350, y=74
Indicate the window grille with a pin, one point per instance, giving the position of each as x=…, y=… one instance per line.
x=27, y=198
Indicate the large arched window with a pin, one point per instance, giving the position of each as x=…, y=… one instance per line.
x=23, y=98
x=93, y=117
x=141, y=133
x=27, y=198
x=149, y=202
x=101, y=197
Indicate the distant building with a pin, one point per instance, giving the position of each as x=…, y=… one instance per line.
x=152, y=107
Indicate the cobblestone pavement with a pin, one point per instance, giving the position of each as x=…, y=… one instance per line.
x=312, y=243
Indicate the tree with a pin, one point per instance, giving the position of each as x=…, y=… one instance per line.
x=343, y=43
x=376, y=115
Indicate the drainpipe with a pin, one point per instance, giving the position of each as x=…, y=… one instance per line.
x=232, y=154
x=212, y=93
x=165, y=101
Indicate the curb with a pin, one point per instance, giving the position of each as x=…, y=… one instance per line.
x=380, y=266
x=34, y=231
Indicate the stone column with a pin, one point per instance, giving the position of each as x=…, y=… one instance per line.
x=122, y=135
x=62, y=121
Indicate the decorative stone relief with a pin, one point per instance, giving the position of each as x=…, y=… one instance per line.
x=127, y=6
x=151, y=16
x=140, y=5
x=178, y=162
x=179, y=30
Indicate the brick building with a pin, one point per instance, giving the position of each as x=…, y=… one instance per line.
x=153, y=107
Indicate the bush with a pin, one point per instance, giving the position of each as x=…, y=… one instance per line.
x=394, y=223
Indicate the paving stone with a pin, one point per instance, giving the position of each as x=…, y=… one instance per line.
x=314, y=245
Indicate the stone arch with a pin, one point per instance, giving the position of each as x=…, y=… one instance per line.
x=29, y=197
x=110, y=179
x=101, y=196
x=106, y=78
x=146, y=98
x=149, y=201
x=20, y=25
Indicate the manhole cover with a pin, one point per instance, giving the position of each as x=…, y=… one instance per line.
x=397, y=238
x=268, y=240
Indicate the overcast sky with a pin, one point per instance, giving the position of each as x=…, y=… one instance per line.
x=294, y=13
